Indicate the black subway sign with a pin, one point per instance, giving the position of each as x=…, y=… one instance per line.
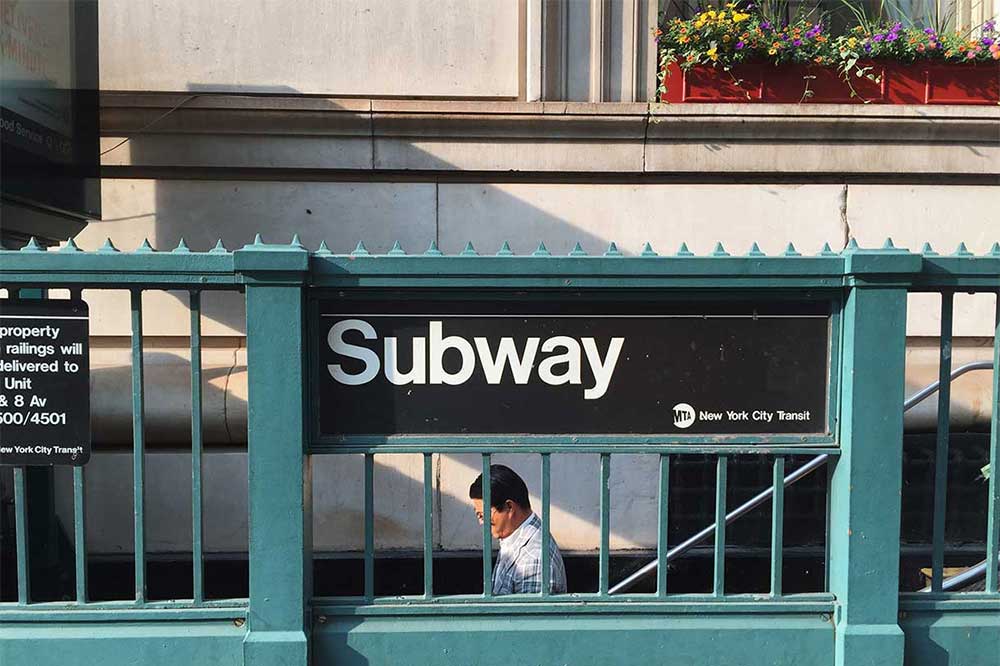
x=45, y=382
x=579, y=367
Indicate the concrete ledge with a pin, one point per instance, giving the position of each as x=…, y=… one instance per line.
x=231, y=131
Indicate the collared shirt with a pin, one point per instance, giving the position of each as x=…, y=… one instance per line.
x=519, y=564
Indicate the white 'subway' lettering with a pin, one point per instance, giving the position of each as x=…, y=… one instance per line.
x=561, y=365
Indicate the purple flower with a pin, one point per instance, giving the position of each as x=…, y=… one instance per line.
x=987, y=41
x=797, y=42
x=897, y=27
x=989, y=26
x=891, y=37
x=928, y=31
x=766, y=25
x=739, y=45
x=868, y=48
x=878, y=38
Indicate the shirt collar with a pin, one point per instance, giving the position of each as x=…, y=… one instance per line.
x=522, y=533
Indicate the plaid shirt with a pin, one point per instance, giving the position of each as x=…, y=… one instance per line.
x=519, y=565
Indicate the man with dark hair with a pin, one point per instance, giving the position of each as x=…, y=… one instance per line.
x=518, y=569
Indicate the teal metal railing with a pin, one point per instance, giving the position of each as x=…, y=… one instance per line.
x=139, y=272
x=282, y=617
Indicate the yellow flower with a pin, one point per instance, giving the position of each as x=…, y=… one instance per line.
x=683, y=40
x=851, y=42
x=737, y=17
x=722, y=16
x=771, y=51
x=726, y=38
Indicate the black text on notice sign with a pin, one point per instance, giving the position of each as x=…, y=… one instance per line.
x=463, y=367
x=45, y=382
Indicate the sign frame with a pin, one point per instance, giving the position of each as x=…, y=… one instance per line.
x=58, y=310
x=317, y=441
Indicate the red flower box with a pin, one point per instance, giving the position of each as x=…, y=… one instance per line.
x=917, y=83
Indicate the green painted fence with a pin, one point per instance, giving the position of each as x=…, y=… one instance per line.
x=859, y=618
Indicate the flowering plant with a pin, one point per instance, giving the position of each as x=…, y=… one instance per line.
x=739, y=33
x=733, y=35
x=893, y=42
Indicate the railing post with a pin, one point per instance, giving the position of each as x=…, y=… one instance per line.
x=278, y=476
x=865, y=484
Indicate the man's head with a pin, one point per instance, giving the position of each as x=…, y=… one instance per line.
x=508, y=497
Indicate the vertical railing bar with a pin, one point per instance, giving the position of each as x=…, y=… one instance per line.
x=80, y=535
x=197, y=552
x=662, y=522
x=603, y=573
x=138, y=448
x=993, y=504
x=428, y=526
x=826, y=529
x=719, y=582
x=941, y=449
x=369, y=526
x=546, y=524
x=777, y=525
x=487, y=532
x=21, y=526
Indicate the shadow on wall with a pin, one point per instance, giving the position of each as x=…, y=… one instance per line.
x=379, y=213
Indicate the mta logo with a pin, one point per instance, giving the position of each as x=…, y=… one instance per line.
x=683, y=415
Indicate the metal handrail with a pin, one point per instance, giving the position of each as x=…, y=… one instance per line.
x=800, y=473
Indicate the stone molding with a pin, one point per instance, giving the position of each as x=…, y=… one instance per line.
x=232, y=131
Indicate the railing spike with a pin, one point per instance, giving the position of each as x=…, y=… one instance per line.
x=755, y=251
x=995, y=250
x=257, y=240
x=505, y=250
x=962, y=250
x=542, y=251
x=578, y=251
x=70, y=246
x=928, y=250
x=323, y=250
x=827, y=251
x=107, y=247
x=433, y=250
x=32, y=246
x=888, y=244
x=852, y=245
x=683, y=251
x=648, y=251
x=145, y=247
x=612, y=250
x=182, y=247
x=360, y=250
x=719, y=250
x=396, y=249
x=295, y=241
x=469, y=251
x=219, y=248
x=790, y=251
